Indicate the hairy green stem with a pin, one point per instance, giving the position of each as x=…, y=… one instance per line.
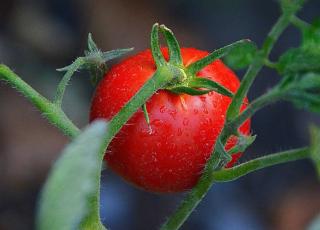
x=266, y=99
x=299, y=23
x=161, y=78
x=65, y=80
x=52, y=112
x=204, y=184
x=236, y=172
x=197, y=194
x=193, y=198
x=270, y=64
x=258, y=63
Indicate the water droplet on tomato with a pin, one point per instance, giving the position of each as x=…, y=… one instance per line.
x=203, y=98
x=156, y=122
x=208, y=121
x=173, y=113
x=173, y=148
x=203, y=133
x=185, y=121
x=205, y=110
x=195, y=111
x=179, y=132
x=162, y=109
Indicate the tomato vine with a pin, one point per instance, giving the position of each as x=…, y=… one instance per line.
x=300, y=84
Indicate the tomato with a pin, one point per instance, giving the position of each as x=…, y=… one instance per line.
x=171, y=156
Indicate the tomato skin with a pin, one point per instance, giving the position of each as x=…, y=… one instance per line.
x=172, y=156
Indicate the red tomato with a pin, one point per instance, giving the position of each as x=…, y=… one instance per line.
x=184, y=128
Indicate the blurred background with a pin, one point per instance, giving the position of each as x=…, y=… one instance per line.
x=36, y=37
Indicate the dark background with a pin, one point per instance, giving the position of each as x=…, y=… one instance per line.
x=36, y=37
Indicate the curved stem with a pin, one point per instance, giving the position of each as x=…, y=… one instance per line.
x=205, y=182
x=161, y=77
x=259, y=103
x=299, y=23
x=260, y=163
x=193, y=198
x=65, y=80
x=49, y=110
x=258, y=63
x=270, y=64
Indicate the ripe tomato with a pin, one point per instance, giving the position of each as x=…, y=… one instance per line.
x=172, y=156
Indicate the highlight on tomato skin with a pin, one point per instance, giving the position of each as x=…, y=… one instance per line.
x=171, y=155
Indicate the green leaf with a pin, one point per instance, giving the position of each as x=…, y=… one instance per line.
x=173, y=46
x=311, y=36
x=304, y=91
x=67, y=196
x=199, y=82
x=92, y=46
x=310, y=81
x=305, y=58
x=155, y=46
x=315, y=147
x=195, y=67
x=305, y=100
x=242, y=56
x=113, y=54
x=188, y=90
x=299, y=60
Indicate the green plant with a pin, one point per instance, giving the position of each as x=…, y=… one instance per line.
x=168, y=154
x=300, y=83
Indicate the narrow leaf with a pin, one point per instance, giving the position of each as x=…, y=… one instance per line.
x=219, y=53
x=67, y=196
x=199, y=82
x=173, y=45
x=112, y=54
x=189, y=90
x=155, y=46
x=92, y=46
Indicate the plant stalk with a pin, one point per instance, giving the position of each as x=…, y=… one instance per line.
x=49, y=110
x=176, y=220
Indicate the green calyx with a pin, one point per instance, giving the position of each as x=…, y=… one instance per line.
x=95, y=60
x=185, y=79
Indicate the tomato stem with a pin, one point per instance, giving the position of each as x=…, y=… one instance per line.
x=258, y=62
x=49, y=110
x=216, y=160
x=299, y=23
x=238, y=171
x=65, y=80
